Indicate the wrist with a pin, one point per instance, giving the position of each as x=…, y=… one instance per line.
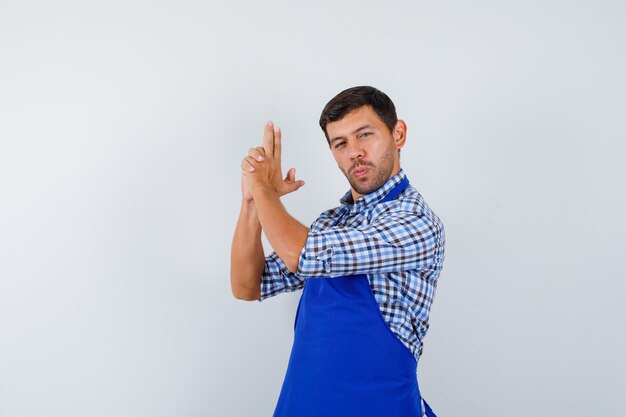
x=249, y=213
x=248, y=205
x=263, y=190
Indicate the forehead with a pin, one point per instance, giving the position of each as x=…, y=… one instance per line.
x=364, y=115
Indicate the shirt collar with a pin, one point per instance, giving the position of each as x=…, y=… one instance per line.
x=371, y=199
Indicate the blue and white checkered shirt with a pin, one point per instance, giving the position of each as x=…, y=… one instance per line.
x=398, y=244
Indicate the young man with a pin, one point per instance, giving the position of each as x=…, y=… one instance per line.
x=369, y=267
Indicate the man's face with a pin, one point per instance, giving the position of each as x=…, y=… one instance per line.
x=365, y=151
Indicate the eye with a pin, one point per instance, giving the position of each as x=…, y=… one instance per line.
x=339, y=145
x=364, y=135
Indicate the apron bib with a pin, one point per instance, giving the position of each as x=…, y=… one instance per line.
x=345, y=361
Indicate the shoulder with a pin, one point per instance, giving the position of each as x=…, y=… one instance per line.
x=409, y=203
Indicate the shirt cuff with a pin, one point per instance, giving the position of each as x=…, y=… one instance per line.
x=315, y=257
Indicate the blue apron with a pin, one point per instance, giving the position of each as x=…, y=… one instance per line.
x=345, y=360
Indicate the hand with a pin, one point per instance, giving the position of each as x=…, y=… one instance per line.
x=262, y=167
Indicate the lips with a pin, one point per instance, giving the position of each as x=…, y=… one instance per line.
x=360, y=171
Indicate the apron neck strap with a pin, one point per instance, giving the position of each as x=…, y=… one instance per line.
x=395, y=191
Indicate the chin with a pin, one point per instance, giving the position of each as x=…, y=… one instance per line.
x=365, y=188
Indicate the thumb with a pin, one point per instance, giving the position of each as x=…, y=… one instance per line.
x=293, y=186
x=291, y=175
x=290, y=184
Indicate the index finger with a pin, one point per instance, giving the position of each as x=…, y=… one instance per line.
x=268, y=139
x=277, y=143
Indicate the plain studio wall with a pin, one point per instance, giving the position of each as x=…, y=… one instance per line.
x=122, y=126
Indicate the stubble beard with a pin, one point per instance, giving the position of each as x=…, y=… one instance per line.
x=381, y=174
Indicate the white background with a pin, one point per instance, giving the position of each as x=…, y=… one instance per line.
x=122, y=124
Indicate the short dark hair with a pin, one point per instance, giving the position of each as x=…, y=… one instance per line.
x=354, y=98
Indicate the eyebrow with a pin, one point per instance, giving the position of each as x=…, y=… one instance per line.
x=353, y=132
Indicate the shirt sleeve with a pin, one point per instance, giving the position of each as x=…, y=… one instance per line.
x=396, y=240
x=277, y=278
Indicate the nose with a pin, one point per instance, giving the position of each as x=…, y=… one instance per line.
x=355, y=149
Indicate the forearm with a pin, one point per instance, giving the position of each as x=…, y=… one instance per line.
x=395, y=241
x=286, y=234
x=247, y=259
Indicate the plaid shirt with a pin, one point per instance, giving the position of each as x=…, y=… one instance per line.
x=399, y=245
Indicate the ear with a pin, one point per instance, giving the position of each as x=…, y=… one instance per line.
x=399, y=134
